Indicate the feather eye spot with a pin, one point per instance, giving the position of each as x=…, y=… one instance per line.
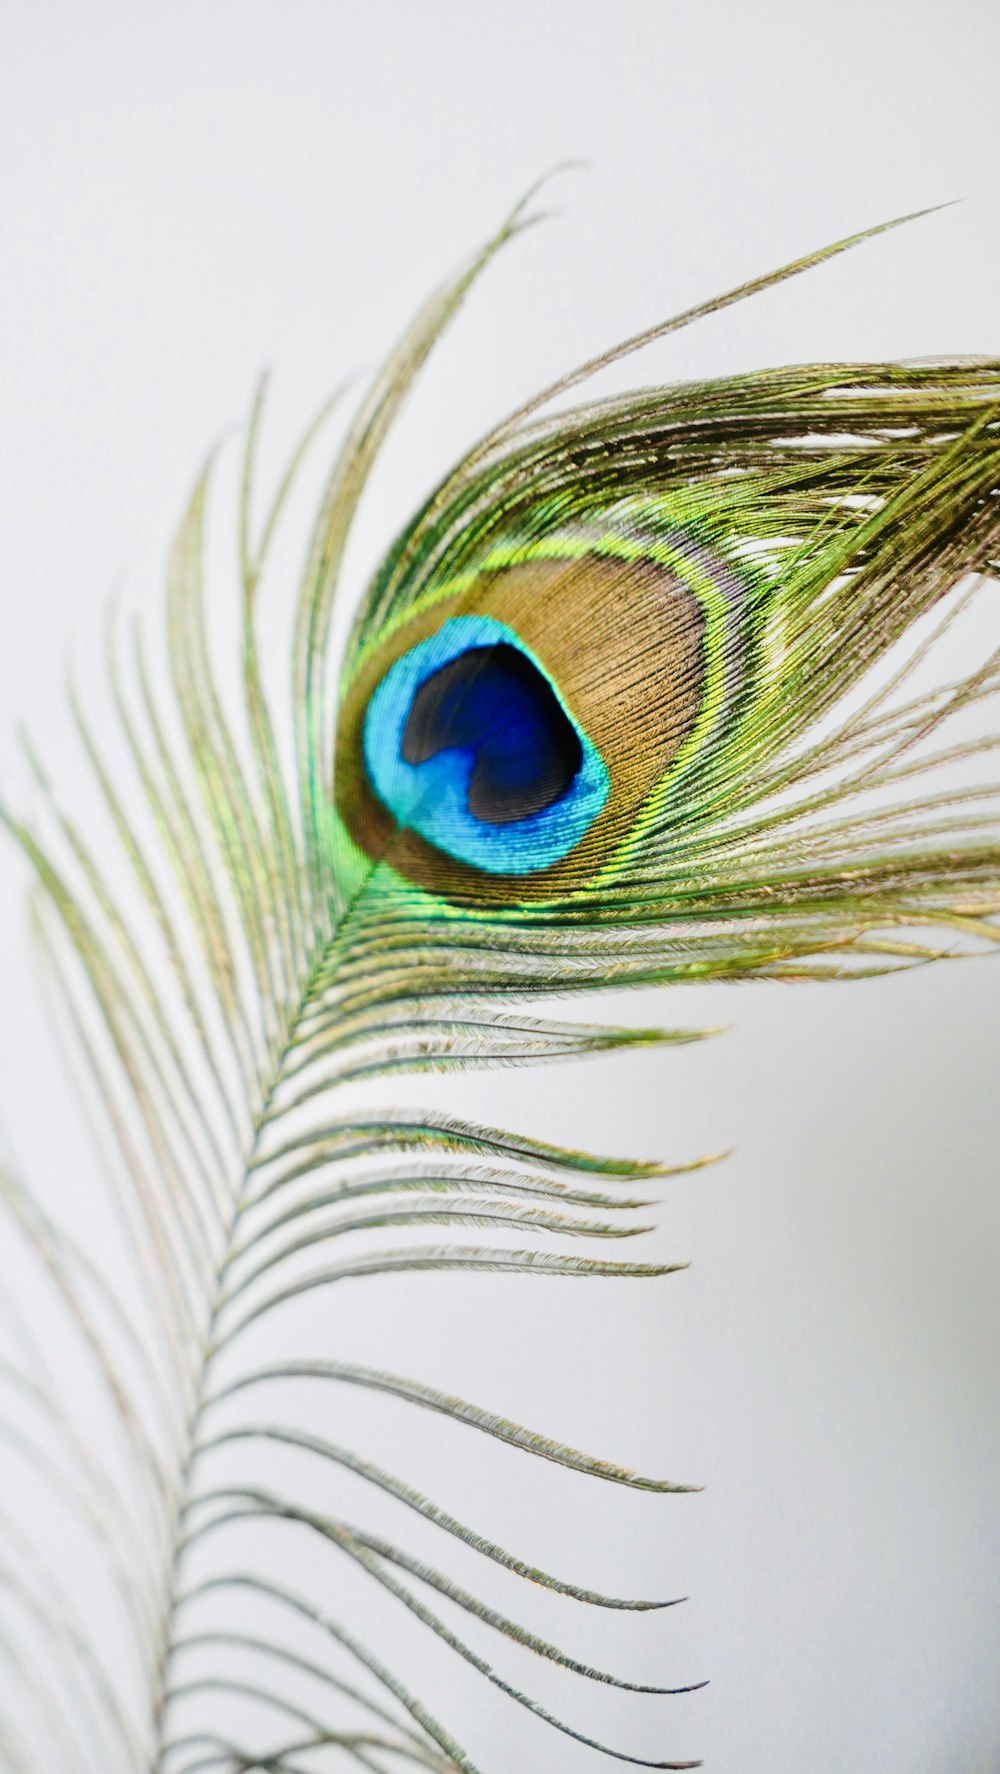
x=468, y=743
x=500, y=738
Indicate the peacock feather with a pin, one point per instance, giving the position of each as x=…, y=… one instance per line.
x=624, y=704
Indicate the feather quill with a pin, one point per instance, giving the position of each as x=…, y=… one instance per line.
x=283, y=923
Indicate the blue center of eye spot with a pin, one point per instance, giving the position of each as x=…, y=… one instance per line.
x=467, y=741
x=494, y=702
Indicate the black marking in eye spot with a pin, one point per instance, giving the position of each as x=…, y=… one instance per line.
x=494, y=702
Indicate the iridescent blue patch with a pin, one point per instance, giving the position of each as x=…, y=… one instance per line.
x=468, y=742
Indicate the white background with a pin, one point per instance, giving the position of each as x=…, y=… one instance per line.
x=190, y=191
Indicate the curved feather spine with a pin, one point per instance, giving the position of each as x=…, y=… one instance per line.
x=247, y=865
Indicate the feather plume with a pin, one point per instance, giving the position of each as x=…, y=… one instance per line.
x=611, y=713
